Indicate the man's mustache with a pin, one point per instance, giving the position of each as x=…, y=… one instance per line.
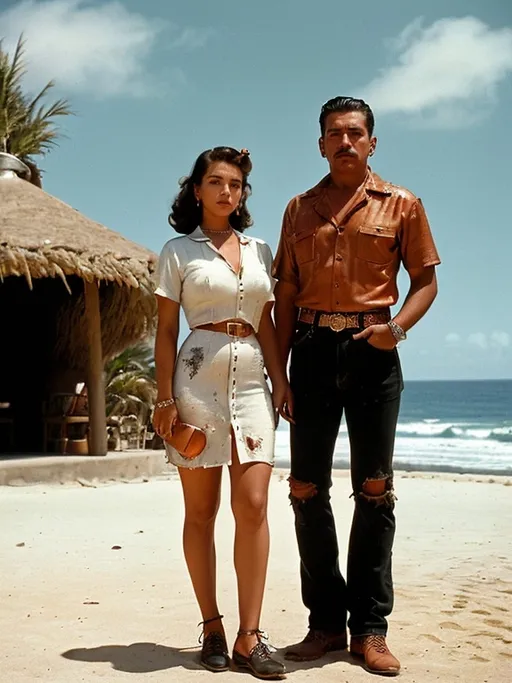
x=345, y=153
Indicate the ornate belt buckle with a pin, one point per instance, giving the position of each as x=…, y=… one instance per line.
x=337, y=322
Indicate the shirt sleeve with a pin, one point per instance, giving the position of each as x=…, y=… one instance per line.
x=417, y=245
x=168, y=275
x=268, y=260
x=285, y=267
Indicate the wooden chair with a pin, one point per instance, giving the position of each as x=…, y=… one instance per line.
x=60, y=411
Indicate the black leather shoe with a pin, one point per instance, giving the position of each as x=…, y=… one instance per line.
x=214, y=653
x=260, y=662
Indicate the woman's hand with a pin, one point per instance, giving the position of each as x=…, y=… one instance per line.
x=164, y=420
x=282, y=399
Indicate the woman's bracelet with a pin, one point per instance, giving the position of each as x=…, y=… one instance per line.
x=165, y=403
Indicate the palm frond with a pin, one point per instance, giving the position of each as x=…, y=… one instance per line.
x=27, y=126
x=130, y=387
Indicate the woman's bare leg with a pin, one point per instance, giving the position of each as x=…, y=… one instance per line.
x=201, y=491
x=249, y=496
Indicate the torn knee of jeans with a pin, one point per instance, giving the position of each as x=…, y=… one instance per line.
x=301, y=490
x=379, y=490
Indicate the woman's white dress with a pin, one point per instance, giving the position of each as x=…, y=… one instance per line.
x=219, y=381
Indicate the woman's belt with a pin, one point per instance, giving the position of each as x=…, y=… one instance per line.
x=233, y=328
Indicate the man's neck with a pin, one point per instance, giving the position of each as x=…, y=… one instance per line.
x=349, y=183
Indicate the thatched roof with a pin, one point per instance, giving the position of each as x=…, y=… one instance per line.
x=41, y=237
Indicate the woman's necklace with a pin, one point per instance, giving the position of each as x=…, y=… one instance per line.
x=218, y=232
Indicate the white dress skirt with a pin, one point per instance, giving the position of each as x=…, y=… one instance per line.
x=219, y=381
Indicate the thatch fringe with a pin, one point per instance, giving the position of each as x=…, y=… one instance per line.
x=127, y=316
x=59, y=262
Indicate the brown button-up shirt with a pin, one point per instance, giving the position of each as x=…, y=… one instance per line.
x=350, y=262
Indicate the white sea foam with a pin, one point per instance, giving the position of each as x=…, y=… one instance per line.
x=434, y=447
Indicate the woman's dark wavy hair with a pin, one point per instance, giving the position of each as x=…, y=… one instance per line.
x=186, y=215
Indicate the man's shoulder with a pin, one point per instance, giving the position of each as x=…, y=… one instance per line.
x=379, y=186
x=309, y=195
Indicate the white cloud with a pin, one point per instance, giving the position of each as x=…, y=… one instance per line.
x=478, y=339
x=500, y=340
x=496, y=340
x=100, y=49
x=453, y=339
x=446, y=74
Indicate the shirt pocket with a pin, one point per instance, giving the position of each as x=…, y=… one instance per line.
x=376, y=243
x=304, y=247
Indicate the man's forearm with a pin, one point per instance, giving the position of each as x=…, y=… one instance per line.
x=420, y=297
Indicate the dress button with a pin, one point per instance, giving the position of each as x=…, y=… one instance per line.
x=336, y=285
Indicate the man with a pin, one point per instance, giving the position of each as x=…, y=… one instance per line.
x=341, y=247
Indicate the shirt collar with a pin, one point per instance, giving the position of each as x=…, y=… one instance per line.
x=373, y=184
x=198, y=236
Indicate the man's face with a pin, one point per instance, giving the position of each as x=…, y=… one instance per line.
x=346, y=143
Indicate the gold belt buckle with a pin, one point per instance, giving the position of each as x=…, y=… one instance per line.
x=237, y=326
x=337, y=322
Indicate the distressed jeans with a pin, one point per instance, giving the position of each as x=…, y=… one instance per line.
x=330, y=373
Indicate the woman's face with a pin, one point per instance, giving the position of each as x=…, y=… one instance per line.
x=220, y=191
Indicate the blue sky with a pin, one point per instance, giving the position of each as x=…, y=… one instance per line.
x=156, y=82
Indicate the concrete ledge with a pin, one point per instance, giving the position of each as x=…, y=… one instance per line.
x=61, y=469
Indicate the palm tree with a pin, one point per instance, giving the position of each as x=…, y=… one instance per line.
x=27, y=126
x=130, y=387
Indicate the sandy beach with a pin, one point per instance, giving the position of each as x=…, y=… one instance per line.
x=94, y=586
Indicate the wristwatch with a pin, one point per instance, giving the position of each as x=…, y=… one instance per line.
x=397, y=331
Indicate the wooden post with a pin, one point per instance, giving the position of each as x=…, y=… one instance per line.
x=95, y=379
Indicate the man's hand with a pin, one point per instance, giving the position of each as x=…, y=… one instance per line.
x=379, y=336
x=282, y=398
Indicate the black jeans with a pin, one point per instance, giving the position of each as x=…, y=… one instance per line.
x=330, y=372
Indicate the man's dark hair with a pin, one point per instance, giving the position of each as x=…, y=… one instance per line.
x=345, y=104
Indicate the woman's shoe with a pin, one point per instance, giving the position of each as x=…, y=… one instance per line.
x=214, y=653
x=260, y=662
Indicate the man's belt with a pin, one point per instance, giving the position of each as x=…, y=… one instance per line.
x=343, y=321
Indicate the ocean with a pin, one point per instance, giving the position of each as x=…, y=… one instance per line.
x=444, y=426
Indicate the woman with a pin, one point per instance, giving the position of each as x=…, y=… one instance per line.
x=222, y=279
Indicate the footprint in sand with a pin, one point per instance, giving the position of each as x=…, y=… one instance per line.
x=481, y=611
x=475, y=645
x=497, y=624
x=506, y=654
x=508, y=591
x=477, y=658
x=452, y=625
x=490, y=634
x=429, y=636
x=460, y=605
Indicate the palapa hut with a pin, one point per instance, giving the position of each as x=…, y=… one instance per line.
x=72, y=294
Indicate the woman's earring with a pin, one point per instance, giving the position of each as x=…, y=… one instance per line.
x=237, y=211
x=198, y=203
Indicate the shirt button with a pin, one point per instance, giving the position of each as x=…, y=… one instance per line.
x=336, y=285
